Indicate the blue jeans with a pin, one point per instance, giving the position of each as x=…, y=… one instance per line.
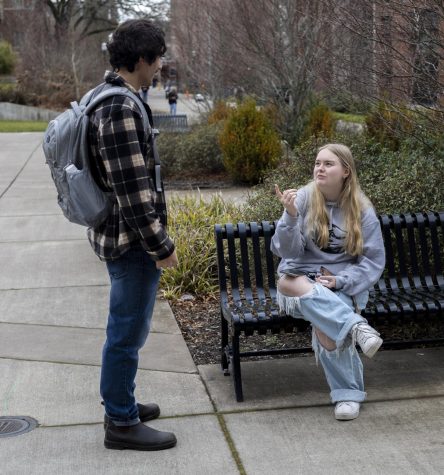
x=333, y=314
x=134, y=281
x=173, y=108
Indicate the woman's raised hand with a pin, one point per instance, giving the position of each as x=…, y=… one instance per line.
x=288, y=200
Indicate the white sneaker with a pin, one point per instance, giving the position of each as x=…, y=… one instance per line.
x=347, y=410
x=367, y=338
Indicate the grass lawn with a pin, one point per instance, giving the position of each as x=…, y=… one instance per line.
x=22, y=126
x=359, y=118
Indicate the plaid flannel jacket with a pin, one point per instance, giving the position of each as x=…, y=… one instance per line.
x=122, y=161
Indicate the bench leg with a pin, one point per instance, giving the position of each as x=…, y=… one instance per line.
x=224, y=344
x=236, y=367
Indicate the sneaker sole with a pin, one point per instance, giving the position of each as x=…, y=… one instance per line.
x=374, y=349
x=125, y=446
x=346, y=417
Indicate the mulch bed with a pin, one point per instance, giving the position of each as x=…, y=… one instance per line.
x=199, y=321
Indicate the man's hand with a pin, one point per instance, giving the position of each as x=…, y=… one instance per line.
x=170, y=261
x=287, y=198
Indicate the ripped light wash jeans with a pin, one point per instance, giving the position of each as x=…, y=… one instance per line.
x=333, y=314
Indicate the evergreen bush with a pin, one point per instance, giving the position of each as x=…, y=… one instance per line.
x=197, y=152
x=390, y=126
x=249, y=143
x=320, y=122
x=7, y=58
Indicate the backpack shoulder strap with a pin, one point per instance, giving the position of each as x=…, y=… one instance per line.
x=93, y=100
x=118, y=91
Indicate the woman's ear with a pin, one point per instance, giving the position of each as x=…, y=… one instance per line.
x=346, y=173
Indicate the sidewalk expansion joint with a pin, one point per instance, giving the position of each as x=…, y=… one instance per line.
x=33, y=215
x=285, y=408
x=56, y=287
x=103, y=329
x=70, y=363
x=223, y=426
x=46, y=240
x=20, y=171
x=231, y=444
x=43, y=240
x=50, y=325
x=161, y=418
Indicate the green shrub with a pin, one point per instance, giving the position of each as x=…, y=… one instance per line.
x=194, y=153
x=320, y=122
x=7, y=58
x=403, y=180
x=219, y=112
x=250, y=145
x=10, y=93
x=390, y=126
x=395, y=181
x=191, y=225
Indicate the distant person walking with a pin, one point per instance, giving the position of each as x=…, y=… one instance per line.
x=172, y=100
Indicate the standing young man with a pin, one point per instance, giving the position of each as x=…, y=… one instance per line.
x=133, y=240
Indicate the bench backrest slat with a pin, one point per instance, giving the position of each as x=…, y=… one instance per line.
x=410, y=223
x=398, y=221
x=254, y=228
x=232, y=261
x=389, y=254
x=222, y=276
x=381, y=283
x=242, y=229
x=434, y=220
x=271, y=270
x=424, y=249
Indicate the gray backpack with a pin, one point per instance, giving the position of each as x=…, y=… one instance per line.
x=65, y=146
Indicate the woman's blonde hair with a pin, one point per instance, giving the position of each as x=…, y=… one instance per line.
x=351, y=200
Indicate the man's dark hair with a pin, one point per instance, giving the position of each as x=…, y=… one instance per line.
x=135, y=39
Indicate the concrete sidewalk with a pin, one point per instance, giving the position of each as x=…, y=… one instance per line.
x=53, y=308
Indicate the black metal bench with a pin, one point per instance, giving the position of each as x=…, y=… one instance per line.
x=412, y=286
x=171, y=123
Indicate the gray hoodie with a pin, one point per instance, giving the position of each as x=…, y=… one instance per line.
x=297, y=250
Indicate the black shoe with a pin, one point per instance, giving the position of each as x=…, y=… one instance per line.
x=147, y=412
x=138, y=437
